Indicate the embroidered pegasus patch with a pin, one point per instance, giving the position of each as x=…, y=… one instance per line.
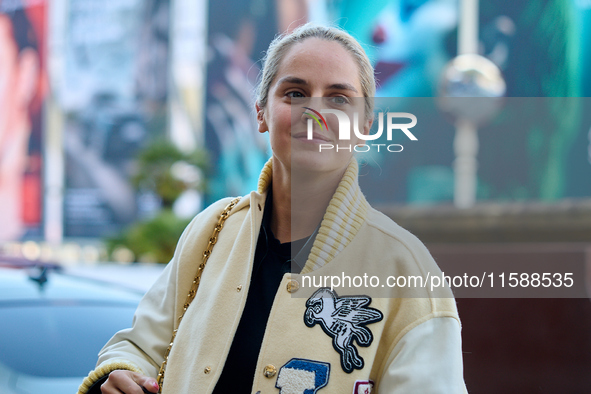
x=343, y=319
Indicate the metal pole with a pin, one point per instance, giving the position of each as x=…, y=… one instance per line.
x=54, y=172
x=187, y=66
x=468, y=27
x=466, y=164
x=466, y=139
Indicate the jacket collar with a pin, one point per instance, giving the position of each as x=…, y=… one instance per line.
x=343, y=218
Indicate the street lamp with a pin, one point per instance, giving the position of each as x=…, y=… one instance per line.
x=471, y=90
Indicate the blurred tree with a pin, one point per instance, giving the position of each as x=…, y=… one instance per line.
x=167, y=172
x=153, y=240
x=163, y=168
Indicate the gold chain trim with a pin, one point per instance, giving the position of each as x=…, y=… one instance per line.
x=206, y=253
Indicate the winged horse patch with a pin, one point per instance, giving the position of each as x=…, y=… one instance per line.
x=343, y=319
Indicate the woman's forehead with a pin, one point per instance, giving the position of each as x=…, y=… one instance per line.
x=317, y=60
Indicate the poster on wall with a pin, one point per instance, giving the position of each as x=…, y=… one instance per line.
x=114, y=100
x=236, y=43
x=22, y=89
x=410, y=42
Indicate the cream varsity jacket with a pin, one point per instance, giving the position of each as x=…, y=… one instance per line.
x=316, y=340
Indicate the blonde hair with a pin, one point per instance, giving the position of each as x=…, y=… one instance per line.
x=282, y=43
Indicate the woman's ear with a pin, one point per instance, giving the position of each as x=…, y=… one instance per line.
x=366, y=129
x=262, y=125
x=367, y=126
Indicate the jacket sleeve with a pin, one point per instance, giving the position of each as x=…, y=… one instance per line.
x=141, y=348
x=427, y=359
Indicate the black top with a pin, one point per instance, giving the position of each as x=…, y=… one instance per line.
x=271, y=261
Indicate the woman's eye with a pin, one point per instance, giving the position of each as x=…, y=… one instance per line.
x=295, y=94
x=339, y=100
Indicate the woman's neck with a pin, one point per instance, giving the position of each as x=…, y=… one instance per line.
x=299, y=201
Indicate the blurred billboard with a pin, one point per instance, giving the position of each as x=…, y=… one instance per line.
x=23, y=32
x=132, y=71
x=114, y=99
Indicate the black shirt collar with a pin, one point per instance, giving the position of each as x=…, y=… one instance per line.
x=297, y=251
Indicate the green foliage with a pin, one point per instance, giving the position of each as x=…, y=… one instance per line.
x=154, y=170
x=168, y=172
x=153, y=240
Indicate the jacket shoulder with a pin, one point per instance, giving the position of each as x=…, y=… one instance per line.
x=400, y=253
x=390, y=229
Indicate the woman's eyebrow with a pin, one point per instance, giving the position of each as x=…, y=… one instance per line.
x=343, y=86
x=300, y=81
x=296, y=80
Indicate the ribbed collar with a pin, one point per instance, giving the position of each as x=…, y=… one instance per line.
x=342, y=220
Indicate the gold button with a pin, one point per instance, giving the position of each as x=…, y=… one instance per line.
x=293, y=286
x=239, y=288
x=270, y=371
x=207, y=370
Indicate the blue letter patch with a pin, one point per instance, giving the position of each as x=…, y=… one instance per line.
x=300, y=376
x=343, y=319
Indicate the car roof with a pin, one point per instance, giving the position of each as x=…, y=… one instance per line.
x=16, y=284
x=136, y=276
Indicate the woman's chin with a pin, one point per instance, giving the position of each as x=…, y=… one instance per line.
x=308, y=161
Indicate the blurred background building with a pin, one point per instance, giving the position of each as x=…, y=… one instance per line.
x=100, y=81
x=94, y=93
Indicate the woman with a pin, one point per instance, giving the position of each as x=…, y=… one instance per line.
x=246, y=330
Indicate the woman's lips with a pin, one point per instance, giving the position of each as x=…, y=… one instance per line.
x=316, y=138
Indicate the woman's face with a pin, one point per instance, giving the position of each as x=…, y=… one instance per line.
x=317, y=74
